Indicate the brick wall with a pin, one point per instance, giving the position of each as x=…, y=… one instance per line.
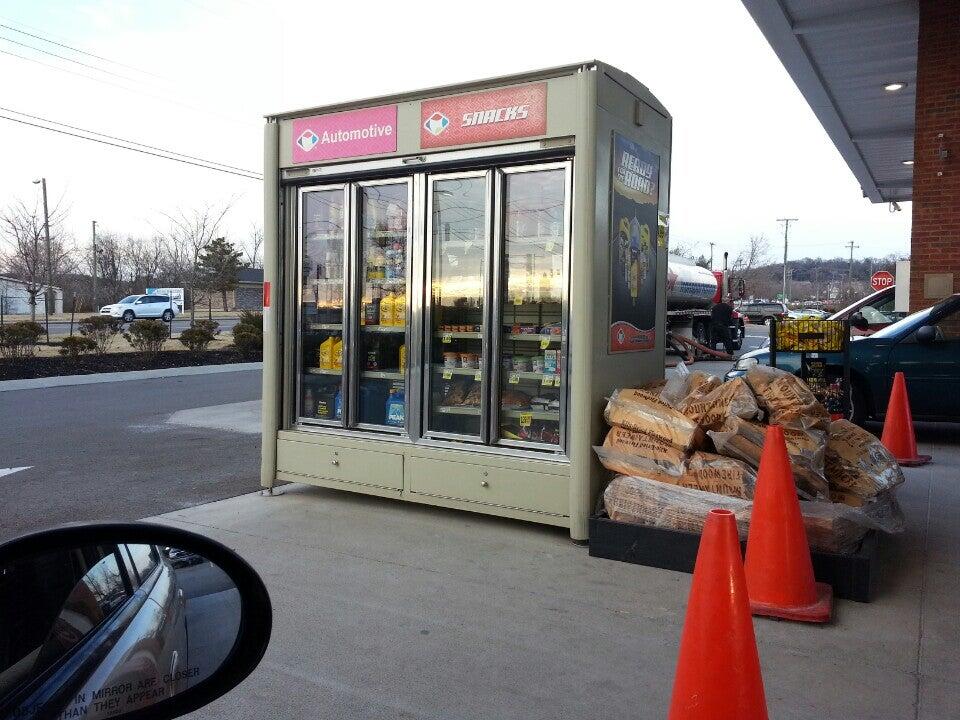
x=935, y=246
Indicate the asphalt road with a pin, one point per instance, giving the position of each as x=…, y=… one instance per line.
x=180, y=324
x=105, y=452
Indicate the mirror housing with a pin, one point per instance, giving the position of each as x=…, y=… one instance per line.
x=858, y=321
x=49, y=689
x=926, y=334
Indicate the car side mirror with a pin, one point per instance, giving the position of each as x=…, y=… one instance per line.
x=858, y=321
x=125, y=620
x=926, y=334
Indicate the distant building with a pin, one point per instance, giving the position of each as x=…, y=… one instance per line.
x=248, y=295
x=15, y=300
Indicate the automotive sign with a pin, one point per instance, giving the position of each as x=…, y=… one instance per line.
x=484, y=117
x=371, y=131
x=881, y=280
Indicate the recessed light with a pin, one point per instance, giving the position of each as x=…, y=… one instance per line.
x=907, y=162
x=894, y=86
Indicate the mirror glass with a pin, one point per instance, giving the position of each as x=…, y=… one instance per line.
x=99, y=631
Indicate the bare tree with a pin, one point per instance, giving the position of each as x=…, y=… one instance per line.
x=756, y=254
x=253, y=247
x=189, y=232
x=683, y=249
x=24, y=253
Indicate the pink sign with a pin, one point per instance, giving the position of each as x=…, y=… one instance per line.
x=484, y=117
x=370, y=131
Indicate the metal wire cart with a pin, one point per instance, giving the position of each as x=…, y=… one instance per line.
x=815, y=341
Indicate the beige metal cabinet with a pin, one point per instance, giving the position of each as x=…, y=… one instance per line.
x=457, y=277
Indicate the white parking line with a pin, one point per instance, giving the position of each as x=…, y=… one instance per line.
x=11, y=471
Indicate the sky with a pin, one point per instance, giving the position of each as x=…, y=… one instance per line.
x=197, y=77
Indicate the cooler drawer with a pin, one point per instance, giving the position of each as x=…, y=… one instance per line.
x=523, y=489
x=364, y=467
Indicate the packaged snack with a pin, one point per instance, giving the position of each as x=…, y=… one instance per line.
x=451, y=360
x=858, y=466
x=402, y=364
x=638, y=410
x=710, y=411
x=337, y=355
x=550, y=366
x=325, y=354
x=386, y=310
x=399, y=310
x=396, y=406
x=787, y=399
x=536, y=364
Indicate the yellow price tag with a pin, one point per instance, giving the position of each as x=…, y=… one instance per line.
x=478, y=376
x=514, y=378
x=544, y=343
x=518, y=300
x=447, y=374
x=547, y=380
x=447, y=338
x=556, y=381
x=526, y=419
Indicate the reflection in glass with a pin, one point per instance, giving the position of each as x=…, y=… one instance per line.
x=321, y=304
x=94, y=638
x=532, y=352
x=459, y=240
x=383, y=305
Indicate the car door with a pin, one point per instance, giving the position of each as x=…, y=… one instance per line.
x=932, y=370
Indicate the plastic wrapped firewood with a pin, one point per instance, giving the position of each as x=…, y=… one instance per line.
x=634, y=410
x=858, y=466
x=786, y=399
x=710, y=411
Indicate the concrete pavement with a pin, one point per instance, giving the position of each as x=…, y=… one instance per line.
x=384, y=609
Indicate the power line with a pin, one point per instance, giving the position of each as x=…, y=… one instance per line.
x=125, y=140
x=62, y=57
x=134, y=149
x=78, y=50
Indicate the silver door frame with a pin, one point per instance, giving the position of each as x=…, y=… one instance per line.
x=497, y=294
x=343, y=188
x=427, y=324
x=356, y=190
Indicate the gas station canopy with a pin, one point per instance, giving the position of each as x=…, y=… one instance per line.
x=855, y=61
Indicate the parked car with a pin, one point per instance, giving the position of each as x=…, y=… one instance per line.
x=877, y=310
x=134, y=307
x=762, y=312
x=808, y=314
x=925, y=346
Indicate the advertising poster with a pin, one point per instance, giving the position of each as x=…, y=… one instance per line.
x=634, y=230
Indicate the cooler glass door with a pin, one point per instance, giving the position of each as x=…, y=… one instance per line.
x=322, y=245
x=532, y=239
x=382, y=297
x=458, y=268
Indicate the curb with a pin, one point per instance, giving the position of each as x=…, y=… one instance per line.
x=94, y=378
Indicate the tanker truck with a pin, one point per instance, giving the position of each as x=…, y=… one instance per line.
x=691, y=293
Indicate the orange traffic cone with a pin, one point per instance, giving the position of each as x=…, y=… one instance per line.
x=778, y=567
x=718, y=670
x=898, y=436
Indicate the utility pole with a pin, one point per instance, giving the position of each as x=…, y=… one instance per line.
x=46, y=232
x=850, y=270
x=786, y=234
x=711, y=255
x=96, y=308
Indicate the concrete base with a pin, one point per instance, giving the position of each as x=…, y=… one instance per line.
x=386, y=609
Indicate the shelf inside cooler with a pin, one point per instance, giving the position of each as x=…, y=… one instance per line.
x=472, y=372
x=458, y=410
x=459, y=335
x=384, y=281
x=534, y=414
x=323, y=371
x=382, y=374
x=523, y=337
x=386, y=233
x=336, y=327
x=526, y=375
x=384, y=328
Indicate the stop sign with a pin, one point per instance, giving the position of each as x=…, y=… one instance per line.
x=881, y=280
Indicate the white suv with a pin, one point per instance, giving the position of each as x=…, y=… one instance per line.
x=133, y=307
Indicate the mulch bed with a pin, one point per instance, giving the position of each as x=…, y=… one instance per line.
x=39, y=367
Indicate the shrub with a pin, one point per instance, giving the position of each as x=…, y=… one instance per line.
x=211, y=326
x=101, y=329
x=252, y=319
x=147, y=336
x=76, y=345
x=196, y=338
x=247, y=341
x=18, y=339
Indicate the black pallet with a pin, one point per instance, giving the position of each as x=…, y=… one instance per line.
x=853, y=577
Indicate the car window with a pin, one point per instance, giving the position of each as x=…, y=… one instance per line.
x=875, y=316
x=145, y=559
x=948, y=327
x=915, y=320
x=128, y=299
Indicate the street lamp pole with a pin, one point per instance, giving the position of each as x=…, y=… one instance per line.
x=96, y=308
x=46, y=232
x=786, y=233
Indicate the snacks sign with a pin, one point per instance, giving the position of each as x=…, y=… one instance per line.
x=370, y=131
x=484, y=117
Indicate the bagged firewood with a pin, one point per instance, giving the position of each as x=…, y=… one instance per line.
x=786, y=399
x=858, y=466
x=731, y=399
x=719, y=474
x=685, y=384
x=634, y=410
x=630, y=442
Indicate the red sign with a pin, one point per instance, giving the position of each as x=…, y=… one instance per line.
x=484, y=117
x=266, y=294
x=881, y=280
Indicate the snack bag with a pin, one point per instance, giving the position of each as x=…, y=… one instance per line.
x=858, y=466
x=325, y=354
x=743, y=440
x=787, y=399
x=731, y=399
x=636, y=410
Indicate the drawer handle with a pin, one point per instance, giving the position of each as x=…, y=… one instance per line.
x=335, y=462
x=484, y=483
